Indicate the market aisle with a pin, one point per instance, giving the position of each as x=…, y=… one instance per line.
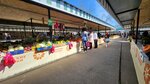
x=97, y=66
x=128, y=74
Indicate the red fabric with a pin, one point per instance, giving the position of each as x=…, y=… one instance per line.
x=70, y=45
x=9, y=60
x=61, y=27
x=52, y=50
x=56, y=25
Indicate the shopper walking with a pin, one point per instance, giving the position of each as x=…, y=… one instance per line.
x=107, y=40
x=95, y=36
x=84, y=39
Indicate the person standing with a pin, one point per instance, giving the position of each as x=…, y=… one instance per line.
x=99, y=35
x=95, y=36
x=91, y=40
x=84, y=39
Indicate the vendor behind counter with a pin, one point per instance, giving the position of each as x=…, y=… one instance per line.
x=146, y=43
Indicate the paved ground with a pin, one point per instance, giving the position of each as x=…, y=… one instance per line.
x=97, y=66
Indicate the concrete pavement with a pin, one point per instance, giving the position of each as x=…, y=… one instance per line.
x=97, y=66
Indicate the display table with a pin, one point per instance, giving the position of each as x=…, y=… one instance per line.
x=30, y=60
x=12, y=41
x=141, y=64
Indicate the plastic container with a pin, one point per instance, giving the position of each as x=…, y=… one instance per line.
x=40, y=49
x=13, y=52
x=20, y=51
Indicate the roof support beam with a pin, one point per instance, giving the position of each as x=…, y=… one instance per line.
x=127, y=20
x=137, y=26
x=113, y=11
x=127, y=11
x=50, y=26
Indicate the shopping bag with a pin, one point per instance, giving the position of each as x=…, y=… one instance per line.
x=88, y=44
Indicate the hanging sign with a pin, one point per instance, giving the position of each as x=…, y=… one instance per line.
x=50, y=22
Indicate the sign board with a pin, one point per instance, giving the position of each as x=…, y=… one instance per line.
x=50, y=22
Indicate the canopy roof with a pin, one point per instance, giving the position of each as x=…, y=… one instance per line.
x=124, y=11
x=22, y=11
x=144, y=14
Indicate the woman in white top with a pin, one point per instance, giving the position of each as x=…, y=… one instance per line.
x=95, y=37
x=91, y=39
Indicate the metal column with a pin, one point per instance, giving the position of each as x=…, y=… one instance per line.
x=98, y=28
x=24, y=30
x=43, y=20
x=133, y=28
x=137, y=26
x=50, y=27
x=105, y=30
x=32, y=27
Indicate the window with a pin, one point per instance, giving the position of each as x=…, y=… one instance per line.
x=86, y=15
x=49, y=2
x=58, y=3
x=71, y=9
x=65, y=6
x=76, y=10
x=83, y=14
x=80, y=13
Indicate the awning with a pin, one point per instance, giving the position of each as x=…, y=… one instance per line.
x=21, y=11
x=124, y=11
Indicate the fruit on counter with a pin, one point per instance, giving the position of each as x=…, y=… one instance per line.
x=42, y=45
x=20, y=47
x=49, y=43
x=59, y=42
x=10, y=49
x=38, y=45
x=2, y=54
x=33, y=47
x=67, y=40
x=56, y=42
x=16, y=48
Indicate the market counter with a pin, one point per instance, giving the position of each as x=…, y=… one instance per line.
x=101, y=40
x=141, y=64
x=30, y=60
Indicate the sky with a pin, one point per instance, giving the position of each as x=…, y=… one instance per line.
x=94, y=8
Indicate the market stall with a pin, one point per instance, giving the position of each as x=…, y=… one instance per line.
x=34, y=58
x=141, y=63
x=39, y=34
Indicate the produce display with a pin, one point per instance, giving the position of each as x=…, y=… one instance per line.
x=16, y=50
x=43, y=46
x=30, y=44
